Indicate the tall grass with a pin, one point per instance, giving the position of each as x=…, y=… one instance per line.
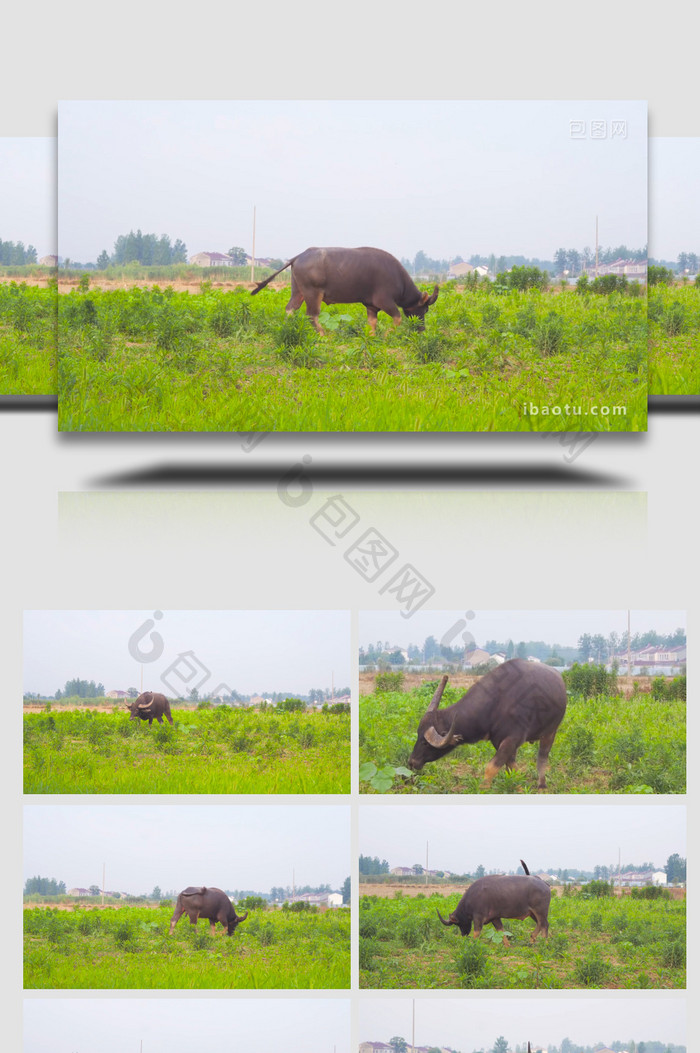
x=674, y=340
x=27, y=339
x=130, y=948
x=618, y=942
x=153, y=359
x=605, y=744
x=209, y=751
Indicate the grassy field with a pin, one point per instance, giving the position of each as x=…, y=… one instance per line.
x=593, y=943
x=222, y=750
x=27, y=339
x=130, y=948
x=604, y=745
x=159, y=360
x=674, y=340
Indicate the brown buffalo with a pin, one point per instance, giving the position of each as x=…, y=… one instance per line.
x=491, y=898
x=210, y=903
x=150, y=706
x=368, y=276
x=514, y=703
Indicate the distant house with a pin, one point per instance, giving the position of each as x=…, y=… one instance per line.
x=334, y=899
x=80, y=892
x=459, y=270
x=668, y=661
x=375, y=1047
x=401, y=871
x=640, y=878
x=635, y=270
x=476, y=657
x=212, y=259
x=48, y=261
x=117, y=694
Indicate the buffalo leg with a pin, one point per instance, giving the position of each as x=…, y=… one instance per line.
x=542, y=759
x=313, y=307
x=372, y=319
x=541, y=927
x=498, y=926
x=177, y=914
x=212, y=926
x=504, y=757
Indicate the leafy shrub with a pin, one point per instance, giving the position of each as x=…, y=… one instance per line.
x=659, y=275
x=549, y=334
x=472, y=962
x=673, y=955
x=597, y=889
x=592, y=972
x=650, y=892
x=590, y=680
x=389, y=681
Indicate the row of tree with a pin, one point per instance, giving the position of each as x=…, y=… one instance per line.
x=501, y=1045
x=675, y=870
x=590, y=647
x=601, y=648
x=90, y=689
x=148, y=249
x=50, y=887
x=14, y=254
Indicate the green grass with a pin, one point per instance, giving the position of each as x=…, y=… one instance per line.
x=207, y=751
x=27, y=340
x=157, y=360
x=604, y=745
x=130, y=948
x=593, y=943
x=674, y=340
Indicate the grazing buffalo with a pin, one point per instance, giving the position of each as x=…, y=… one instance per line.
x=368, y=276
x=209, y=903
x=491, y=898
x=150, y=706
x=516, y=702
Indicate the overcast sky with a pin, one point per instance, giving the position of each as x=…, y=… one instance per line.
x=562, y=627
x=28, y=192
x=674, y=202
x=593, y=1021
x=451, y=178
x=249, y=651
x=547, y=836
x=173, y=846
x=172, y=1025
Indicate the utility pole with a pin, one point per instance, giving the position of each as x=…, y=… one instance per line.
x=629, y=646
x=596, y=246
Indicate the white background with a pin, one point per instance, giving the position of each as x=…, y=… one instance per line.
x=514, y=525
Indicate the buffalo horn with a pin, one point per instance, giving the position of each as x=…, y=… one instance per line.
x=435, y=701
x=433, y=736
x=241, y=917
x=450, y=922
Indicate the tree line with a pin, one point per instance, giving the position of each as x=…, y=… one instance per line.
x=590, y=647
x=14, y=254
x=675, y=870
x=148, y=249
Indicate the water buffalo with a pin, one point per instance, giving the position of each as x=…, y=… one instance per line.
x=516, y=702
x=149, y=706
x=209, y=903
x=491, y=898
x=368, y=276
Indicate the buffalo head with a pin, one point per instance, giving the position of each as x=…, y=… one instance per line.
x=234, y=920
x=420, y=310
x=434, y=740
x=463, y=926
